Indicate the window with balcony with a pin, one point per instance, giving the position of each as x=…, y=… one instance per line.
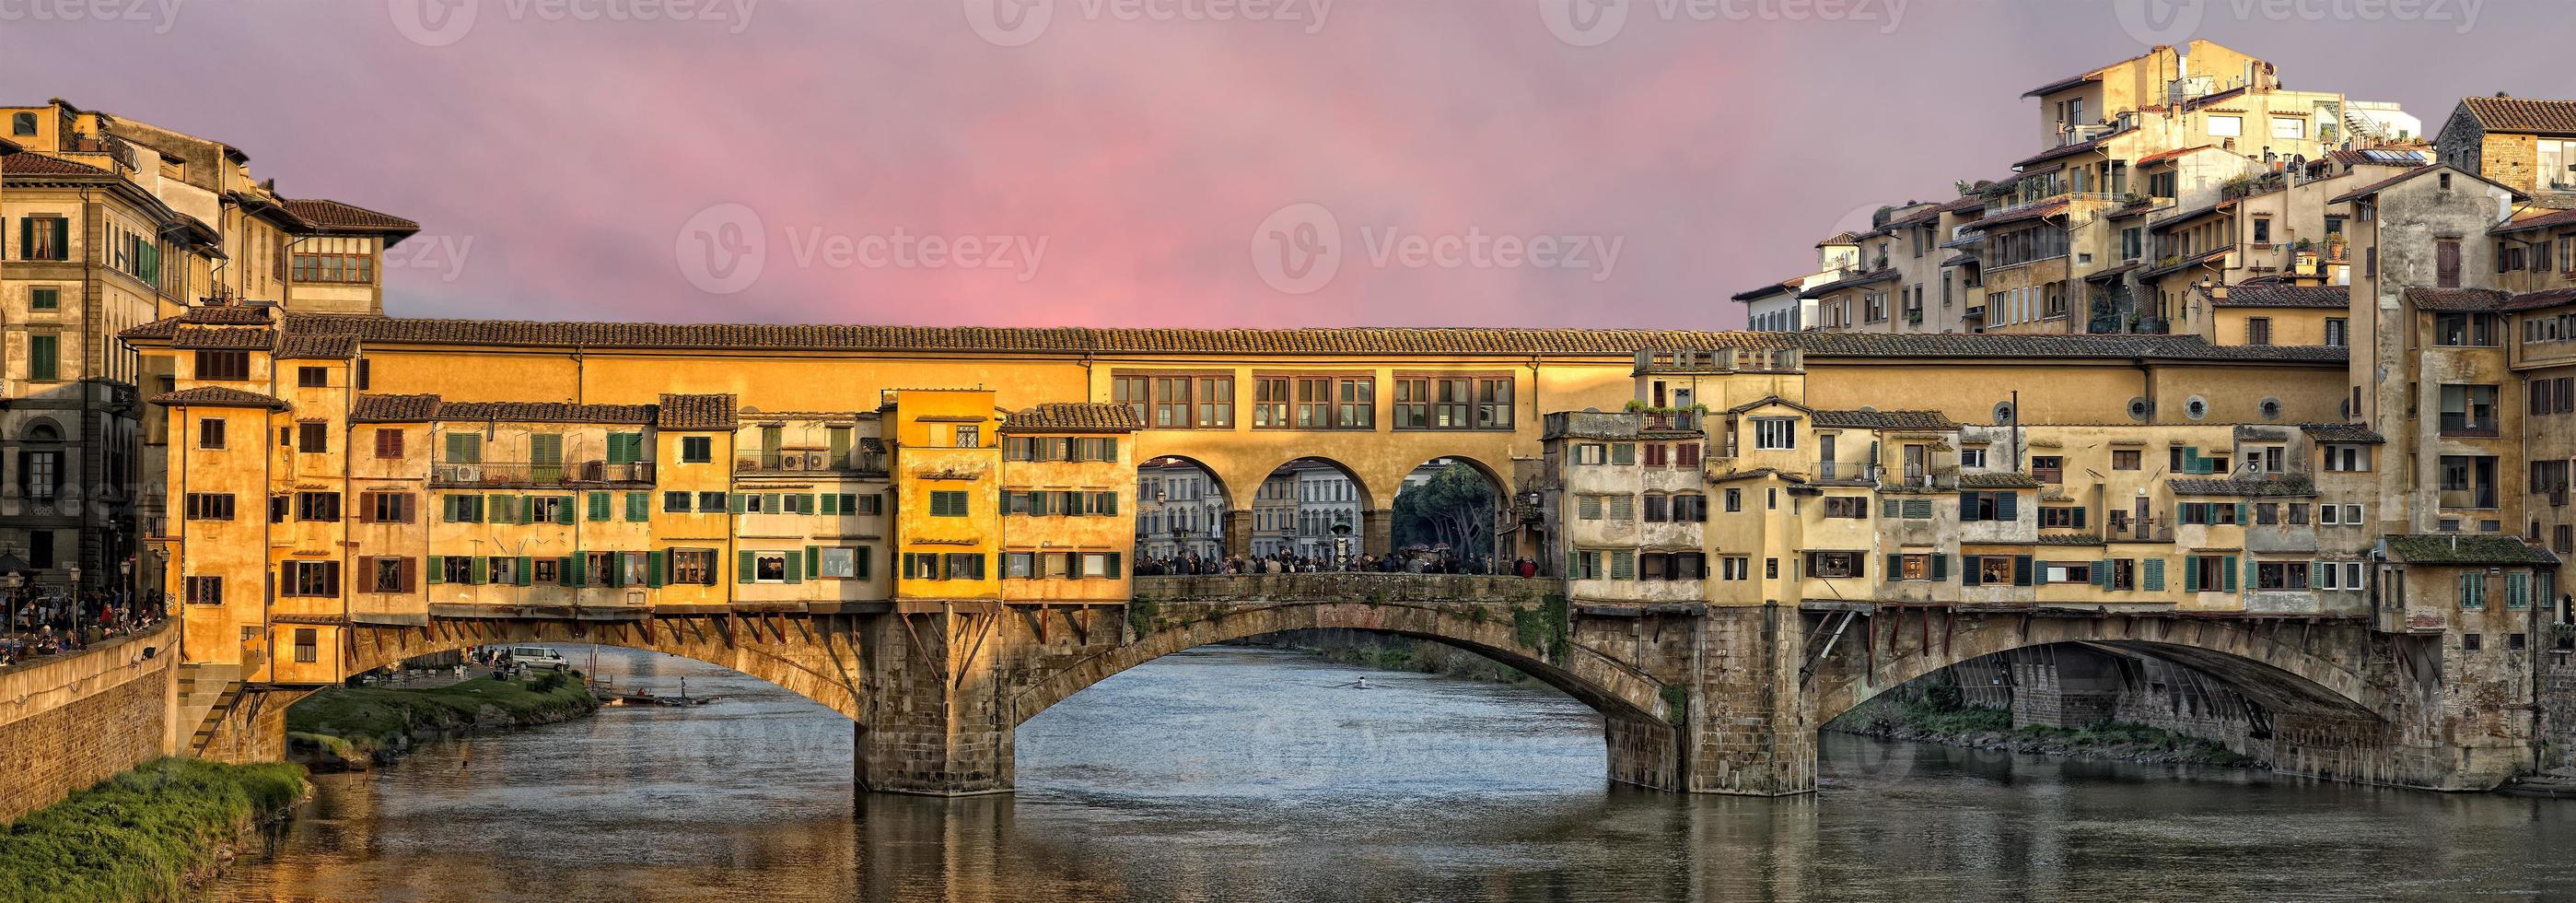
x=2048, y=468
x=2468, y=481
x=1835, y=565
x=2468, y=410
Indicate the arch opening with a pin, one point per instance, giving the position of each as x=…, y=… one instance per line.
x=1447, y=518
x=1181, y=507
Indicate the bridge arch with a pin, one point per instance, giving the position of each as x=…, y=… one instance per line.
x=1471, y=622
x=814, y=656
x=2314, y=669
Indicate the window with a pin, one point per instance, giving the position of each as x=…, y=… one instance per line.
x=44, y=298
x=1734, y=500
x=2125, y=459
x=1590, y=453
x=385, y=507
x=1775, y=434
x=387, y=575
x=2069, y=571
x=312, y=579
x=210, y=432
x=2124, y=573
x=2289, y=128
x=462, y=509
x=1973, y=456
x=1690, y=508
x=1453, y=402
x=697, y=449
x=1588, y=507
x=1834, y=565
x=22, y=124
x=223, y=365
x=692, y=567
x=44, y=238
x=205, y=590
x=464, y=448
x=389, y=442
x=313, y=377
x=2446, y=256
x=1623, y=508
x=1736, y=567
x=343, y=268
x=1847, y=506
x=948, y=503
x=2347, y=458
x=2227, y=126
x=2048, y=468
x=2061, y=518
x=839, y=564
x=317, y=506
x=2280, y=575
x=44, y=357
x=2338, y=332
x=210, y=506
x=675, y=502
x=2258, y=330
x=2473, y=591
x=2468, y=410
x=312, y=437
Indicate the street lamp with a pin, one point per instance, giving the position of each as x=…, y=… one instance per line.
x=1342, y=541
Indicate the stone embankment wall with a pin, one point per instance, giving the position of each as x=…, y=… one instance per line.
x=69, y=722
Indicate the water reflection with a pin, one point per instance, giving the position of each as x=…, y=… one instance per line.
x=1241, y=774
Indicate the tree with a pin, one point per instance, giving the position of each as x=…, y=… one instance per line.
x=1454, y=508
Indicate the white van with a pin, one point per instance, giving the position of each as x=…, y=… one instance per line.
x=534, y=657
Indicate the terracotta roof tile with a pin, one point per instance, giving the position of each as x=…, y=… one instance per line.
x=34, y=164
x=422, y=408
x=394, y=409
x=2544, y=221
x=2517, y=114
x=1074, y=417
x=2255, y=295
x=2342, y=433
x=317, y=346
x=2454, y=548
x=1872, y=277
x=333, y=215
x=1781, y=287
x=2378, y=186
x=229, y=315
x=696, y=412
x=1998, y=481
x=1884, y=420
x=228, y=338
x=2536, y=300
x=218, y=397
x=2246, y=486
x=2455, y=299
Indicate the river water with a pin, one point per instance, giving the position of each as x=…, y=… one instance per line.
x=1243, y=774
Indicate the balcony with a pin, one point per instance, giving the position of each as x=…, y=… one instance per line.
x=1830, y=471
x=809, y=460
x=1673, y=421
x=2147, y=530
x=2472, y=425
x=522, y=473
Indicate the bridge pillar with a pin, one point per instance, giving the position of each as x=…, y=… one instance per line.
x=1749, y=729
x=935, y=722
x=1238, y=533
x=1377, y=531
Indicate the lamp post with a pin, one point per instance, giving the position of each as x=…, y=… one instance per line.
x=1342, y=541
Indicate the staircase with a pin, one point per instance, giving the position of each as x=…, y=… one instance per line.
x=207, y=693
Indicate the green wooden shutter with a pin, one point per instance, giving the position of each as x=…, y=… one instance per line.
x=481, y=569
x=1968, y=506
x=2517, y=591
x=793, y=576
x=814, y=561
x=1890, y=509
x=563, y=571
x=62, y=238
x=527, y=509
x=654, y=563
x=1623, y=453
x=769, y=503
x=1940, y=566
x=2102, y=575
x=44, y=358
x=639, y=507
x=573, y=575
x=2027, y=572
x=741, y=503
x=2316, y=575
x=2191, y=573
x=805, y=503
x=1969, y=573
x=563, y=509
x=745, y=569
x=2229, y=569
x=527, y=571
x=2154, y=579
x=831, y=503
x=598, y=506
x=862, y=561
x=438, y=569
x=2079, y=516
x=26, y=238
x=2007, y=505
x=1895, y=566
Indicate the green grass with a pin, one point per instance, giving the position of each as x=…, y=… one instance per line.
x=141, y=835
x=366, y=721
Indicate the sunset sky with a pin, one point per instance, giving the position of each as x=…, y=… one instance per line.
x=1110, y=162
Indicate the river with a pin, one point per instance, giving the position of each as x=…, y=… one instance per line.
x=1245, y=774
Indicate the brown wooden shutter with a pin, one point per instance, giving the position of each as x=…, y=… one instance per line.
x=2446, y=264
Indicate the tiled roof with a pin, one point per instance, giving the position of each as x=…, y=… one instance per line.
x=1884, y=420
x=1074, y=417
x=317, y=346
x=2171, y=154
x=224, y=338
x=394, y=409
x=695, y=412
x=334, y=215
x=2065, y=83
x=2178, y=217
x=2114, y=272
x=2342, y=433
x=418, y=408
x=2454, y=548
x=1882, y=274
x=2248, y=486
x=2536, y=300
x=1998, y=481
x=1844, y=237
x=2037, y=211
x=2516, y=114
x=33, y=164
x=1782, y=286
x=2455, y=299
x=218, y=397
x=228, y=315
x=1076, y=341
x=2186, y=263
x=2378, y=186
x=2070, y=149
x=1960, y=260
x=2256, y=295
x=2545, y=221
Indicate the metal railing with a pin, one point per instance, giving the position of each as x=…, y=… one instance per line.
x=525, y=473
x=2455, y=424
x=808, y=460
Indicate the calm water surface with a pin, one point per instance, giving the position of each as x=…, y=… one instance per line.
x=1237, y=774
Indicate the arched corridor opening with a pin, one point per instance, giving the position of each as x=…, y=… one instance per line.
x=1446, y=518
x=1309, y=514
x=1181, y=510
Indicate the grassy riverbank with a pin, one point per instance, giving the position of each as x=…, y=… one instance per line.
x=1930, y=721
x=148, y=834
x=350, y=727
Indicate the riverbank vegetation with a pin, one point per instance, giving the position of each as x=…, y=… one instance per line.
x=351, y=727
x=1937, y=717
x=152, y=833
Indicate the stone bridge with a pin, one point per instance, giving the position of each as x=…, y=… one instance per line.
x=1693, y=698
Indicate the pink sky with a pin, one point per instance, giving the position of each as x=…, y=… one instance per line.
x=573, y=154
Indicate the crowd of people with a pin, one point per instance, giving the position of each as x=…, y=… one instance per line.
x=38, y=622
x=1417, y=561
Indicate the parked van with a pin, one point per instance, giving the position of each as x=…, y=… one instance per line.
x=539, y=657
